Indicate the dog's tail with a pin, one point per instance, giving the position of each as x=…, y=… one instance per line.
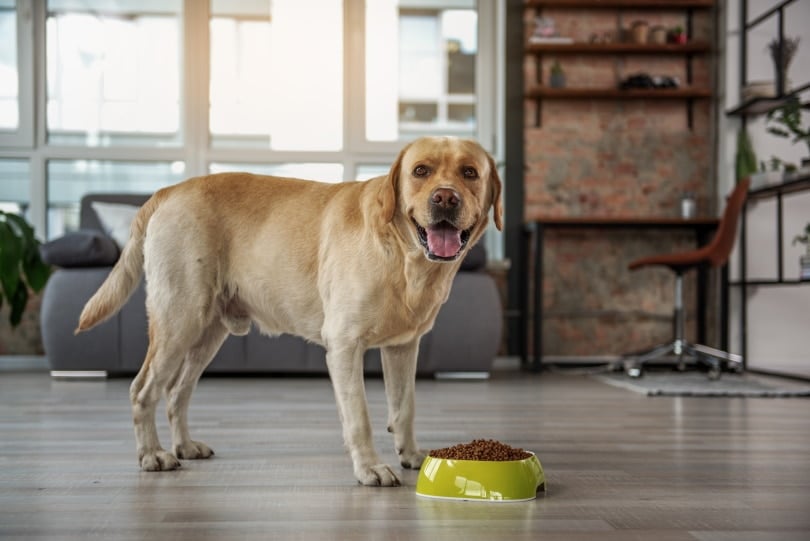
x=126, y=274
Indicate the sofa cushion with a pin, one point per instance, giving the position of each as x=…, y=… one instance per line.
x=116, y=220
x=83, y=248
x=476, y=258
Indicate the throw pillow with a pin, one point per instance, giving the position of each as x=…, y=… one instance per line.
x=116, y=220
x=83, y=248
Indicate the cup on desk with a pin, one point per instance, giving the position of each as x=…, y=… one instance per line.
x=688, y=206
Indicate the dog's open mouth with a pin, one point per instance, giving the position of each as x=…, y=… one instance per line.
x=442, y=241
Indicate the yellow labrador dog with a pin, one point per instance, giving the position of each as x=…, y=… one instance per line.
x=349, y=266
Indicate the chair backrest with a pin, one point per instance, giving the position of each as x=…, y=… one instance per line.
x=722, y=243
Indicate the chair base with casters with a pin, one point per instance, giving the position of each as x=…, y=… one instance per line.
x=713, y=254
x=680, y=349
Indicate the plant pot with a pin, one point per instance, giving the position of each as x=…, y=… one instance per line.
x=658, y=35
x=557, y=80
x=804, y=268
x=639, y=31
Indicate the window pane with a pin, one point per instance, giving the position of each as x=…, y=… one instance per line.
x=323, y=172
x=9, y=106
x=15, y=194
x=69, y=180
x=369, y=171
x=277, y=74
x=420, y=68
x=113, y=72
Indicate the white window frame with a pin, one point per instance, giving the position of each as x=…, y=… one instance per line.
x=23, y=136
x=30, y=140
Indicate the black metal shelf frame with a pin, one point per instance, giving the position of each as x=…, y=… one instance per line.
x=758, y=106
x=794, y=185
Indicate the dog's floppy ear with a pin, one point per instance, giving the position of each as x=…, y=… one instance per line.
x=390, y=189
x=495, y=187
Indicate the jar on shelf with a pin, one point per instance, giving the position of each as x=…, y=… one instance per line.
x=639, y=31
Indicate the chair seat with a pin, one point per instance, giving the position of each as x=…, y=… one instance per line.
x=677, y=262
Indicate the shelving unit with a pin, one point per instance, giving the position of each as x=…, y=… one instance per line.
x=763, y=105
x=688, y=93
x=795, y=185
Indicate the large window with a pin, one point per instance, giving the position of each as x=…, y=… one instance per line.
x=132, y=95
x=276, y=74
x=113, y=72
x=9, y=103
x=420, y=68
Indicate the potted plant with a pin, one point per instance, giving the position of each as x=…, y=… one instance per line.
x=21, y=267
x=804, y=261
x=782, y=53
x=786, y=121
x=557, y=79
x=746, y=159
x=677, y=35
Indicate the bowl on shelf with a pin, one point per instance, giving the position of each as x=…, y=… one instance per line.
x=483, y=480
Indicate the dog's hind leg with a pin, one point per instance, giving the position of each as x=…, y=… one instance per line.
x=399, y=372
x=178, y=393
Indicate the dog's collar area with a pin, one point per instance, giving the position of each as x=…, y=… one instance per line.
x=442, y=241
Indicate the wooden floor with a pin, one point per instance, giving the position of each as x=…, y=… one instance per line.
x=619, y=465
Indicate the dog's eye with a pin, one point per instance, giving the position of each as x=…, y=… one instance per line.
x=421, y=171
x=469, y=172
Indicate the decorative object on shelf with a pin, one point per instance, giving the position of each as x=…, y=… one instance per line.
x=658, y=35
x=639, y=31
x=782, y=53
x=746, y=158
x=786, y=121
x=21, y=267
x=688, y=206
x=545, y=31
x=804, y=261
x=642, y=80
x=758, y=89
x=557, y=77
x=775, y=175
x=677, y=35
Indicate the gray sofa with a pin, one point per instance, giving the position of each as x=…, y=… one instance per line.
x=464, y=340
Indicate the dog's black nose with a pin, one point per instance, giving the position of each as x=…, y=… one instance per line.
x=446, y=198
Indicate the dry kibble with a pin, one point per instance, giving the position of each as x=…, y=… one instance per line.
x=488, y=450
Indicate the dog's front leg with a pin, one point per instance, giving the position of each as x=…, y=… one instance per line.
x=345, y=363
x=399, y=370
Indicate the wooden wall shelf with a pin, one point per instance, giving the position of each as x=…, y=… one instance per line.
x=544, y=92
x=625, y=4
x=687, y=50
x=696, y=47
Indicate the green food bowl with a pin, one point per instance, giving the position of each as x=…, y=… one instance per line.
x=485, y=480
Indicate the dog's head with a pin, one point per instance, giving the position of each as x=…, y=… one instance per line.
x=440, y=190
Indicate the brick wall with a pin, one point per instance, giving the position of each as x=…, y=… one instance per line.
x=613, y=158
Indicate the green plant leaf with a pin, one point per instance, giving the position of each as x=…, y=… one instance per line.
x=36, y=271
x=18, y=302
x=11, y=251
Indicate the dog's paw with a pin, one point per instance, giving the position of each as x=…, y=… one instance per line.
x=192, y=450
x=412, y=459
x=159, y=460
x=378, y=475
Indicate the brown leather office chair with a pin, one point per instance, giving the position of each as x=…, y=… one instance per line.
x=714, y=254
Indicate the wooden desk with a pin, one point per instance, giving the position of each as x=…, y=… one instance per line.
x=535, y=233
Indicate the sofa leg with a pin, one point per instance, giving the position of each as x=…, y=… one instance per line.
x=78, y=374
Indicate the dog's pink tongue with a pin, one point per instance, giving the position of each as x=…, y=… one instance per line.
x=443, y=240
